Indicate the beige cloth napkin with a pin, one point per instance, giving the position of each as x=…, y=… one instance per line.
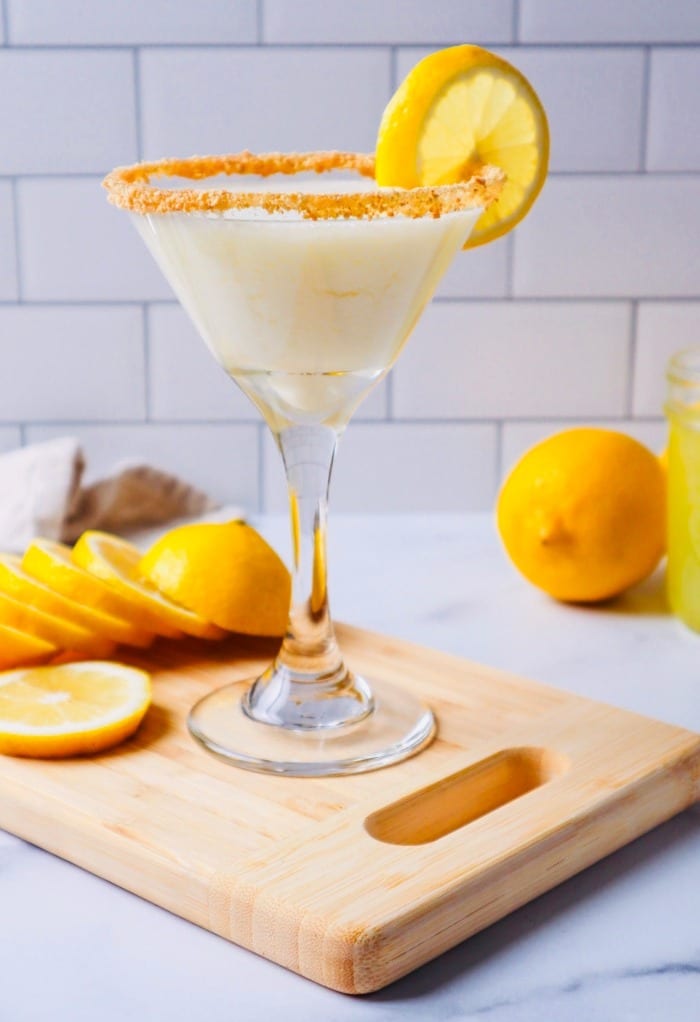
x=42, y=494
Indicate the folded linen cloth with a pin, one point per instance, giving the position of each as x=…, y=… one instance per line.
x=42, y=494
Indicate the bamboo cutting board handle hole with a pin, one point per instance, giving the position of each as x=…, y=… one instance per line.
x=453, y=802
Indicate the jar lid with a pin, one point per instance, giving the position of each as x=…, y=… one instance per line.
x=683, y=367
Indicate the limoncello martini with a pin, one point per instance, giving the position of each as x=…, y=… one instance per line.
x=305, y=292
x=305, y=315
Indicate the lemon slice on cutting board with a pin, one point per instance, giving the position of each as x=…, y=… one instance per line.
x=52, y=564
x=116, y=562
x=457, y=110
x=56, y=630
x=14, y=581
x=70, y=710
x=17, y=647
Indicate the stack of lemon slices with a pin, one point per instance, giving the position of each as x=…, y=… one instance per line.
x=459, y=110
x=68, y=610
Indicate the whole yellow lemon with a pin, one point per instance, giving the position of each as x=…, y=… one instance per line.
x=583, y=514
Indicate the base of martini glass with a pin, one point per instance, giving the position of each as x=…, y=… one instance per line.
x=307, y=715
x=397, y=726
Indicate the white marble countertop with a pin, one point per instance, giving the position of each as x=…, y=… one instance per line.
x=619, y=942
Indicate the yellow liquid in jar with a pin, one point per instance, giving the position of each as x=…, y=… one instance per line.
x=683, y=571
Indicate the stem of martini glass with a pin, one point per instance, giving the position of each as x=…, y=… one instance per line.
x=308, y=687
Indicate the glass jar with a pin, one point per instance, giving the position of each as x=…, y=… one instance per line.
x=683, y=413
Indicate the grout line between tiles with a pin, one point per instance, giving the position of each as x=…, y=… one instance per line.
x=79, y=303
x=131, y=423
x=631, y=359
x=644, y=128
x=499, y=452
x=17, y=242
x=146, y=340
x=403, y=421
x=516, y=21
x=582, y=299
x=563, y=299
x=334, y=44
x=260, y=21
x=691, y=173
x=393, y=68
x=136, y=60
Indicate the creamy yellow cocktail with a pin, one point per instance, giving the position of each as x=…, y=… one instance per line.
x=305, y=274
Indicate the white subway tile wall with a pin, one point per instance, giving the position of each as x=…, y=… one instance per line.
x=674, y=125
x=385, y=21
x=515, y=359
x=8, y=256
x=518, y=437
x=593, y=99
x=66, y=111
x=71, y=362
x=213, y=456
x=74, y=246
x=74, y=22
x=625, y=236
x=603, y=21
x=662, y=329
x=203, y=100
x=569, y=320
x=184, y=380
x=401, y=466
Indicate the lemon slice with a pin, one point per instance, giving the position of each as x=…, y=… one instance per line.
x=459, y=109
x=17, y=648
x=70, y=710
x=224, y=571
x=14, y=581
x=51, y=563
x=57, y=630
x=116, y=562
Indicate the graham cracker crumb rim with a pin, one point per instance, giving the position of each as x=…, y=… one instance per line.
x=130, y=188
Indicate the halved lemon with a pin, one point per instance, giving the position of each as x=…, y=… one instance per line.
x=458, y=109
x=17, y=647
x=14, y=581
x=51, y=563
x=57, y=630
x=71, y=709
x=116, y=562
x=224, y=571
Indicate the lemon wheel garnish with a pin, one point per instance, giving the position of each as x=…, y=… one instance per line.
x=116, y=562
x=70, y=710
x=459, y=109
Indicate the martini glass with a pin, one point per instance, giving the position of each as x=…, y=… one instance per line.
x=305, y=290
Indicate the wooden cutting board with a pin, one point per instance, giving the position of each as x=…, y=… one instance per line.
x=355, y=881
